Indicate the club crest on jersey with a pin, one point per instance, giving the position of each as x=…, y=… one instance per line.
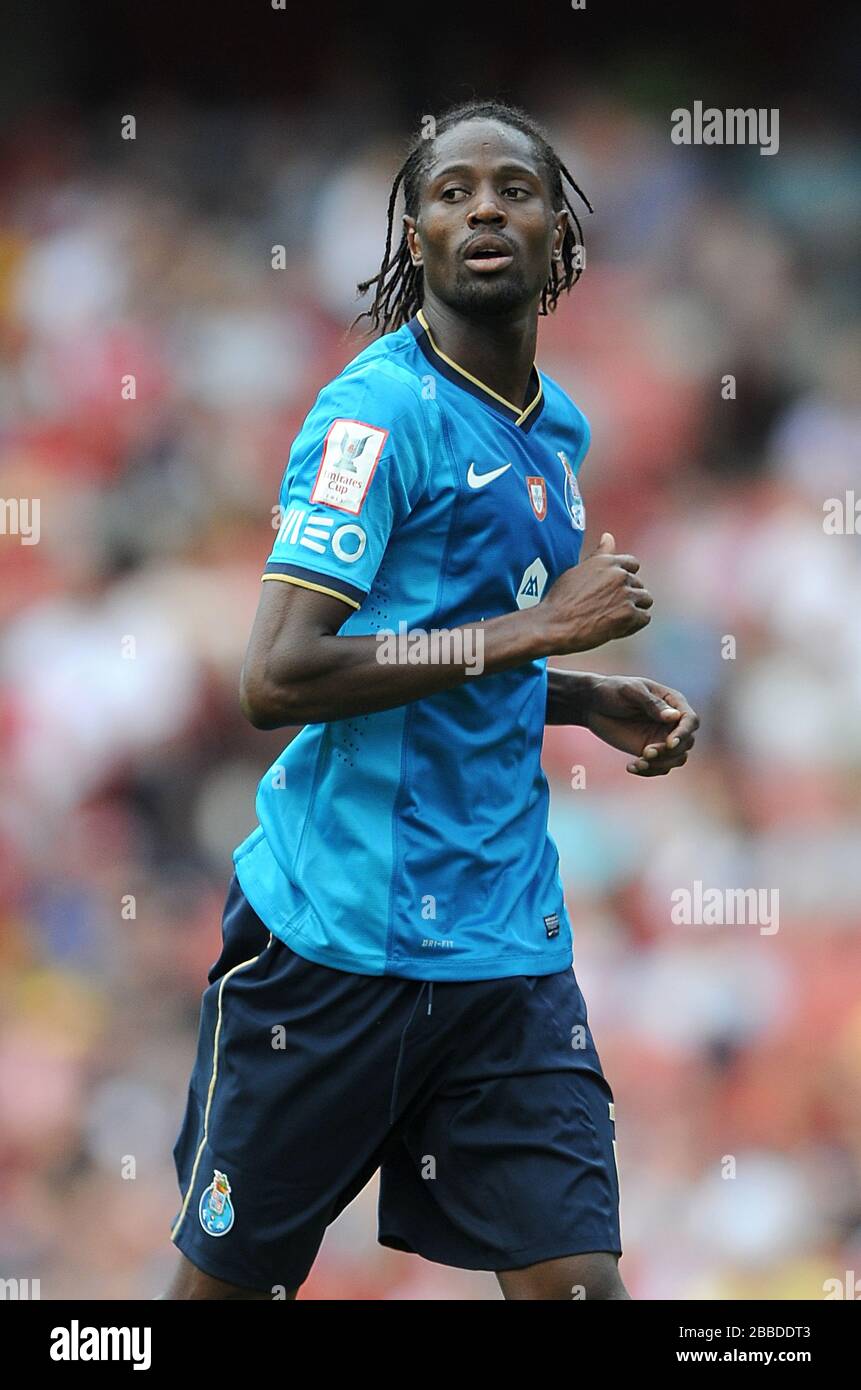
x=573, y=500
x=537, y=489
x=351, y=453
x=216, y=1210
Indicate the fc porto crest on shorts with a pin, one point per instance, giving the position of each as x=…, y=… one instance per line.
x=573, y=500
x=216, y=1210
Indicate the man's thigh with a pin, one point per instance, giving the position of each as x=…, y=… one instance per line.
x=512, y=1163
x=289, y=1105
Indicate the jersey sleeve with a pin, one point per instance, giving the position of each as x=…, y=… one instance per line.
x=356, y=469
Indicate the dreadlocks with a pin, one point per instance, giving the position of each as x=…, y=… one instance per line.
x=399, y=290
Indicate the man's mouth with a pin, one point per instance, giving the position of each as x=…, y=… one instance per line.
x=488, y=253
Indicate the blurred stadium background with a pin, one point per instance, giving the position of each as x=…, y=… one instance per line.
x=136, y=776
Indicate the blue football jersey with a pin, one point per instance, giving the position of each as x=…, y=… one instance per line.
x=414, y=841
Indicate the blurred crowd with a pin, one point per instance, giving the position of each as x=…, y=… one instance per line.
x=158, y=353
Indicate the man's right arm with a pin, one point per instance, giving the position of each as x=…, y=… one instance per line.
x=298, y=670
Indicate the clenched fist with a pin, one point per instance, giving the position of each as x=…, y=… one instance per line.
x=594, y=602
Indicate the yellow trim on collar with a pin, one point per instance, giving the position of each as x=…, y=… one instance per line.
x=521, y=414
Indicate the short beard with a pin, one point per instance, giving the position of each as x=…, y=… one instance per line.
x=486, y=297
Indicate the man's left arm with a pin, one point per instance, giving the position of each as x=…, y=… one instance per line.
x=649, y=721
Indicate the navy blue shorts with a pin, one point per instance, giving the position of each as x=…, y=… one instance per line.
x=482, y=1103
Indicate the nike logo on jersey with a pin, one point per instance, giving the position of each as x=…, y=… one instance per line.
x=482, y=479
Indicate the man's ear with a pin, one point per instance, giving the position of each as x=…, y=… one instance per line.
x=413, y=239
x=562, y=224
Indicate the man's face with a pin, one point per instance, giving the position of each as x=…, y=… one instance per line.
x=486, y=230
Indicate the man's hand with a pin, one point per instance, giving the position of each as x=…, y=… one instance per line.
x=594, y=602
x=640, y=716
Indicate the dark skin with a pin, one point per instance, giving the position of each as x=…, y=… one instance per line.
x=485, y=181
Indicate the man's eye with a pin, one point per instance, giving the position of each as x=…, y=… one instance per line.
x=453, y=195
x=516, y=192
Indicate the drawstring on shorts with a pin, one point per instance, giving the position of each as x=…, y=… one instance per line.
x=403, y=1040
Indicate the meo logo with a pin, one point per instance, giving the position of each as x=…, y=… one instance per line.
x=314, y=532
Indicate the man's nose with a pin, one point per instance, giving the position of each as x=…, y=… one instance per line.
x=487, y=209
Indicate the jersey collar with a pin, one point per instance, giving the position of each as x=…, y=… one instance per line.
x=524, y=419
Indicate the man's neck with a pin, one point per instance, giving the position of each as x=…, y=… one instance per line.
x=500, y=352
